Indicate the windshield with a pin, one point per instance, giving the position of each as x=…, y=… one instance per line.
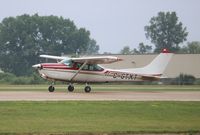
x=68, y=63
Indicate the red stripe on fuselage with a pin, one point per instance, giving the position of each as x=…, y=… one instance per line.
x=57, y=66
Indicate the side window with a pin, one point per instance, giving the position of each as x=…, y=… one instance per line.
x=98, y=68
x=94, y=67
x=86, y=67
x=89, y=67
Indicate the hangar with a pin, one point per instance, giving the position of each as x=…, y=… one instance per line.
x=180, y=63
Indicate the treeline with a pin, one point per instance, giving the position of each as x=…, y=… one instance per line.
x=182, y=79
x=9, y=78
x=190, y=48
x=24, y=38
x=164, y=31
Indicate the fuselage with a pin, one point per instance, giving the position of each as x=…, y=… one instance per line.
x=90, y=73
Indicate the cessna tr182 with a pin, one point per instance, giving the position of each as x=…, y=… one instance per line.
x=87, y=70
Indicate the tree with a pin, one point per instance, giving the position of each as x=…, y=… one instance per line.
x=144, y=48
x=191, y=48
x=24, y=37
x=135, y=51
x=194, y=47
x=92, y=47
x=184, y=79
x=165, y=31
x=126, y=50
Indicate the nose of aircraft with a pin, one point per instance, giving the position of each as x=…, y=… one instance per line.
x=37, y=66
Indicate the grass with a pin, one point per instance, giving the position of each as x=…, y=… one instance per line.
x=90, y=117
x=103, y=87
x=99, y=117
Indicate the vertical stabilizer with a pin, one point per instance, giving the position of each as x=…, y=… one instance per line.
x=157, y=66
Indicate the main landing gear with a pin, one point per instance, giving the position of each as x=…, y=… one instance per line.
x=51, y=87
x=87, y=88
x=70, y=88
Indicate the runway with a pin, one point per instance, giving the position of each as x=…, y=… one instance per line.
x=100, y=96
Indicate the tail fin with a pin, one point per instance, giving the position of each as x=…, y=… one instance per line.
x=157, y=66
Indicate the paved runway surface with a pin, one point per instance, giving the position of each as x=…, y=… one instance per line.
x=100, y=96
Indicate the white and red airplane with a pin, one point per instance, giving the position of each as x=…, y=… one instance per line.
x=87, y=70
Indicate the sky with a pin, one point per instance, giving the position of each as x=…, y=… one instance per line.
x=112, y=23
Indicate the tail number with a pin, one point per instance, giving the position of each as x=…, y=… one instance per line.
x=126, y=76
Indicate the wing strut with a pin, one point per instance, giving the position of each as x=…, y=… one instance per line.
x=78, y=71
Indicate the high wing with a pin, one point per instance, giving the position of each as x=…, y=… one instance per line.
x=89, y=60
x=97, y=59
x=53, y=57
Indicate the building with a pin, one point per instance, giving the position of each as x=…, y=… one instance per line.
x=180, y=63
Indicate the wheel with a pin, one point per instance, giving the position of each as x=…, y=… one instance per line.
x=87, y=89
x=70, y=88
x=51, y=88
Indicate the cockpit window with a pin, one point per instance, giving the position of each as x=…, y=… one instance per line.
x=92, y=67
x=68, y=63
x=88, y=67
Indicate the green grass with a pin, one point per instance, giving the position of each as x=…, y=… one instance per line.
x=103, y=87
x=99, y=117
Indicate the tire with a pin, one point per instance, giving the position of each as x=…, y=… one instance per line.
x=87, y=89
x=51, y=88
x=70, y=88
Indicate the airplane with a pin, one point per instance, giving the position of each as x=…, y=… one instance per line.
x=87, y=70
